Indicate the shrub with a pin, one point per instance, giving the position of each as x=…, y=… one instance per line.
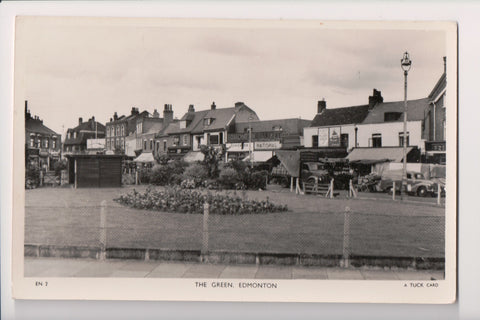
x=32, y=176
x=256, y=180
x=59, y=166
x=197, y=173
x=170, y=173
x=191, y=201
x=228, y=178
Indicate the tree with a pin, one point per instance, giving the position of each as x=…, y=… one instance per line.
x=212, y=158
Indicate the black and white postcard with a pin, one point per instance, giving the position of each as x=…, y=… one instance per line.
x=235, y=160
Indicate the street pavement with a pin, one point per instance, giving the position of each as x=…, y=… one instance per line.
x=54, y=267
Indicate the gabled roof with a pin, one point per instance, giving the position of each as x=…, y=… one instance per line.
x=339, y=116
x=416, y=109
x=439, y=87
x=194, y=117
x=89, y=125
x=37, y=126
x=288, y=126
x=221, y=117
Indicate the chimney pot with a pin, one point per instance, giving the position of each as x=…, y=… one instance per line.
x=322, y=105
x=80, y=120
x=213, y=106
x=191, y=108
x=239, y=104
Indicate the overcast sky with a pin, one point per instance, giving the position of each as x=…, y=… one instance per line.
x=76, y=68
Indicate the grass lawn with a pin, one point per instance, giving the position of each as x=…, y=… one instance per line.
x=312, y=224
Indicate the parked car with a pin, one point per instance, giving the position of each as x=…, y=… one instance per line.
x=314, y=172
x=416, y=183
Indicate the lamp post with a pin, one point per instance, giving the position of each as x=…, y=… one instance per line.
x=250, y=118
x=406, y=64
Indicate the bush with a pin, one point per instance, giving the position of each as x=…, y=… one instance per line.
x=32, y=176
x=170, y=173
x=256, y=180
x=59, y=166
x=191, y=201
x=197, y=173
x=228, y=178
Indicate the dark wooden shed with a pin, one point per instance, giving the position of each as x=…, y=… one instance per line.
x=95, y=171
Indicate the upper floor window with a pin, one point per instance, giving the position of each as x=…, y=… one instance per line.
x=151, y=144
x=213, y=139
x=400, y=139
x=183, y=124
x=144, y=144
x=277, y=128
x=45, y=143
x=74, y=134
x=176, y=140
x=123, y=130
x=377, y=140
x=207, y=121
x=54, y=143
x=185, y=139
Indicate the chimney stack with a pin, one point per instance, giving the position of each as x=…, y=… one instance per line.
x=115, y=116
x=322, y=105
x=191, y=108
x=27, y=113
x=213, y=106
x=167, y=115
x=376, y=98
x=239, y=104
x=80, y=120
x=156, y=114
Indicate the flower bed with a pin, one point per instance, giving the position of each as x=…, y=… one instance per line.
x=191, y=201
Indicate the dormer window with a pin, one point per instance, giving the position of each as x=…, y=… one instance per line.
x=183, y=124
x=207, y=121
x=277, y=128
x=392, y=116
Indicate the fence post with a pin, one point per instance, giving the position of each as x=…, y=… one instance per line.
x=291, y=184
x=439, y=191
x=41, y=178
x=103, y=230
x=331, y=188
x=346, y=238
x=136, y=177
x=206, y=212
x=394, y=190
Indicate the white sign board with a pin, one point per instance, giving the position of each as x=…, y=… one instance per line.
x=323, y=137
x=267, y=145
x=95, y=144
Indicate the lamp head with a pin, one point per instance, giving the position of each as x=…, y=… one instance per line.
x=406, y=62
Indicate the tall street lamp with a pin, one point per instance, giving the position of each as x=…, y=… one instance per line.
x=406, y=64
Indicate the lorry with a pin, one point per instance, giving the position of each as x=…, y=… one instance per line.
x=416, y=183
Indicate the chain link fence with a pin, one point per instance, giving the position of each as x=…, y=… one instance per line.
x=322, y=231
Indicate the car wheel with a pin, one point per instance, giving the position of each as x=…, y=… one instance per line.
x=422, y=192
x=389, y=190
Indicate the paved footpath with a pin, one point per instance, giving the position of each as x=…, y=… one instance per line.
x=53, y=267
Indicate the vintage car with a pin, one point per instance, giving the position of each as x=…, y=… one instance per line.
x=416, y=183
x=314, y=172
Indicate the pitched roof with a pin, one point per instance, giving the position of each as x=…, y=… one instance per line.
x=339, y=116
x=89, y=125
x=171, y=128
x=415, y=112
x=439, y=86
x=289, y=126
x=194, y=117
x=37, y=126
x=221, y=117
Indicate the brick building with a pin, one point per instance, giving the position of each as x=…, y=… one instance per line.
x=76, y=139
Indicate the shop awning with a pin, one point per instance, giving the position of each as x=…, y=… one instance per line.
x=193, y=156
x=376, y=155
x=259, y=156
x=145, y=158
x=290, y=160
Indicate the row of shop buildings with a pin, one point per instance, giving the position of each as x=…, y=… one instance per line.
x=373, y=129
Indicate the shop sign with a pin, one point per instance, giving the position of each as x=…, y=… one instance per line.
x=267, y=145
x=239, y=146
